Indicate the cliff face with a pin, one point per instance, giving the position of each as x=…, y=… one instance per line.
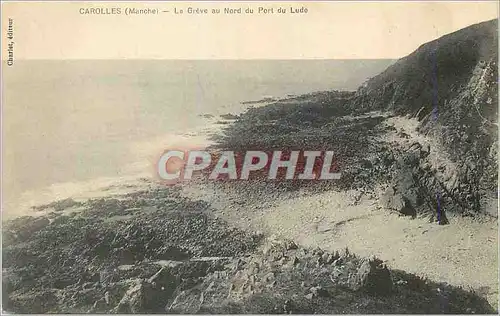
x=450, y=86
x=434, y=74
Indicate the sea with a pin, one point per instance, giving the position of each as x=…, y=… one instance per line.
x=76, y=126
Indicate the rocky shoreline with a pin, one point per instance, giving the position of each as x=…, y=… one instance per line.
x=161, y=250
x=157, y=252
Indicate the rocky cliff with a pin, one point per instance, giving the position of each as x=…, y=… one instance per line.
x=450, y=86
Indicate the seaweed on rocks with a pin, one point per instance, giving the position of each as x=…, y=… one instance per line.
x=170, y=255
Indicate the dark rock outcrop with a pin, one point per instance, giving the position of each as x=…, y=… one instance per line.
x=373, y=277
x=76, y=265
x=451, y=86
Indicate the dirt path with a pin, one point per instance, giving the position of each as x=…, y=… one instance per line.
x=464, y=253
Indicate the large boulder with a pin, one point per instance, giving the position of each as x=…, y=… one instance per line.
x=394, y=200
x=373, y=277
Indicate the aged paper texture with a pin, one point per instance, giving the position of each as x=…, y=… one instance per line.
x=250, y=157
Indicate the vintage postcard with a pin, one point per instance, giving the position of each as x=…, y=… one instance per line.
x=249, y=157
